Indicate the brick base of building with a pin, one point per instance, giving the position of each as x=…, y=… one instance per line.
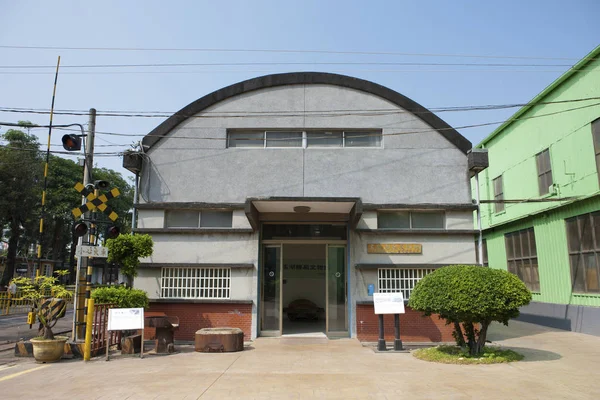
x=413, y=326
x=195, y=316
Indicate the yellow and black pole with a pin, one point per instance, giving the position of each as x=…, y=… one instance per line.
x=39, y=246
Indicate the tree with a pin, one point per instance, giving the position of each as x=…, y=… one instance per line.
x=470, y=297
x=20, y=176
x=126, y=251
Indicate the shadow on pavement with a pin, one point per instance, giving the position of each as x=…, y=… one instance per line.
x=532, y=355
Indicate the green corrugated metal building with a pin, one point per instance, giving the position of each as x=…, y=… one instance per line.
x=543, y=221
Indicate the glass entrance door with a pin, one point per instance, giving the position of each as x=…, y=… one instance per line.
x=271, y=291
x=337, y=310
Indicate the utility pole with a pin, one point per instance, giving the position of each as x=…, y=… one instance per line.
x=82, y=262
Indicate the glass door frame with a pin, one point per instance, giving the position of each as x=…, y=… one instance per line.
x=345, y=277
x=280, y=244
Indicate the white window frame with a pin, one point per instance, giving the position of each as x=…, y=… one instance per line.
x=305, y=139
x=195, y=283
x=395, y=280
x=410, y=219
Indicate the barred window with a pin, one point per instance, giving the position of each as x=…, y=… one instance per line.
x=394, y=280
x=583, y=234
x=195, y=283
x=521, y=254
x=544, y=170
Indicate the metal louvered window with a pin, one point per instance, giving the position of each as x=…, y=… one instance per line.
x=195, y=283
x=394, y=280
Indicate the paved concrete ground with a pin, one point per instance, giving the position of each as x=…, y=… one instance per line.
x=558, y=365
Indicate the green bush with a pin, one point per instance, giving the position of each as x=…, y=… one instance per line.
x=470, y=297
x=121, y=296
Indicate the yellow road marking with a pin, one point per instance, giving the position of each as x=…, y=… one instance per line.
x=7, y=377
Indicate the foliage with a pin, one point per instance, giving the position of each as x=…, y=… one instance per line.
x=458, y=355
x=121, y=296
x=126, y=250
x=470, y=297
x=36, y=290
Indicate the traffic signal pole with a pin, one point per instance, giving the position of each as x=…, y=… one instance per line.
x=82, y=262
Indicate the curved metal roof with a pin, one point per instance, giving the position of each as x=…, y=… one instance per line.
x=299, y=78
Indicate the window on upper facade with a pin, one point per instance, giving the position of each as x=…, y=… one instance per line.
x=362, y=139
x=216, y=219
x=583, y=236
x=304, y=139
x=498, y=194
x=284, y=139
x=246, y=139
x=195, y=283
x=195, y=219
x=182, y=218
x=596, y=138
x=521, y=254
x=395, y=280
x=410, y=220
x=484, y=251
x=544, y=170
x=324, y=139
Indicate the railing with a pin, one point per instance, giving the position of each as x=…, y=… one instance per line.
x=15, y=304
x=99, y=334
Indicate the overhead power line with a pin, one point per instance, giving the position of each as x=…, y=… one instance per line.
x=282, y=51
x=286, y=113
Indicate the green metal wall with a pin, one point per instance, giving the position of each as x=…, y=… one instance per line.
x=553, y=256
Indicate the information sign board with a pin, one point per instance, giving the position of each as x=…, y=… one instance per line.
x=120, y=319
x=388, y=303
x=91, y=251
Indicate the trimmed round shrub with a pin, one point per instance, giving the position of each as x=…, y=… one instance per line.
x=121, y=297
x=470, y=297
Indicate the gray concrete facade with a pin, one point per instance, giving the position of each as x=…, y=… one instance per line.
x=570, y=317
x=416, y=165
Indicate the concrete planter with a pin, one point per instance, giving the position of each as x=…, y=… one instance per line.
x=48, y=350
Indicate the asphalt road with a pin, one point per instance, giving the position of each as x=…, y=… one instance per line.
x=15, y=327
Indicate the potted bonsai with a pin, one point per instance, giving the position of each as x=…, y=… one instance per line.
x=47, y=298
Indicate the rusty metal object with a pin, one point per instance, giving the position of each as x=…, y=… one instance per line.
x=165, y=332
x=209, y=340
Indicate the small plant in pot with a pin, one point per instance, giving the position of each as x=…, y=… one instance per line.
x=47, y=298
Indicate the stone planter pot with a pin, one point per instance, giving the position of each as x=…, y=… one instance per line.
x=45, y=350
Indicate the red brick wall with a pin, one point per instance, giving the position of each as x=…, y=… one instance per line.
x=413, y=326
x=195, y=316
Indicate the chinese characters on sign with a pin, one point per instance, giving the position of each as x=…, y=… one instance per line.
x=394, y=248
x=388, y=303
x=120, y=319
x=91, y=251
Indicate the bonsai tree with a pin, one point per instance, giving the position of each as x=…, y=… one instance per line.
x=126, y=251
x=47, y=298
x=470, y=297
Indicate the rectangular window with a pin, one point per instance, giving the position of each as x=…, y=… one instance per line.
x=362, y=139
x=393, y=220
x=394, y=280
x=521, y=255
x=544, y=170
x=596, y=138
x=284, y=139
x=246, y=139
x=498, y=194
x=584, y=250
x=324, y=139
x=427, y=220
x=182, y=218
x=410, y=220
x=195, y=283
x=216, y=219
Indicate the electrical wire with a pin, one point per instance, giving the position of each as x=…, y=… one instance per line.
x=282, y=51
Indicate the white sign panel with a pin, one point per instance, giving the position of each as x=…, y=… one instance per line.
x=388, y=303
x=91, y=251
x=120, y=319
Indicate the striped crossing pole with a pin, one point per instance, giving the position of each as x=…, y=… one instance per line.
x=39, y=246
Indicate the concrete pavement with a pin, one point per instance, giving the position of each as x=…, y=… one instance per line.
x=558, y=365
x=14, y=327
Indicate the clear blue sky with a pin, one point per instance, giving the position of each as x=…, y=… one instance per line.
x=529, y=28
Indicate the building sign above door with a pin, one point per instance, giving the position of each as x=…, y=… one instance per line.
x=394, y=248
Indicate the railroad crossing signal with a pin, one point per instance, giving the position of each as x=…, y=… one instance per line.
x=95, y=202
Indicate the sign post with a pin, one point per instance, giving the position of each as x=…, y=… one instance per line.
x=389, y=303
x=121, y=319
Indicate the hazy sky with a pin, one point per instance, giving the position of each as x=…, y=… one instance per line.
x=557, y=32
